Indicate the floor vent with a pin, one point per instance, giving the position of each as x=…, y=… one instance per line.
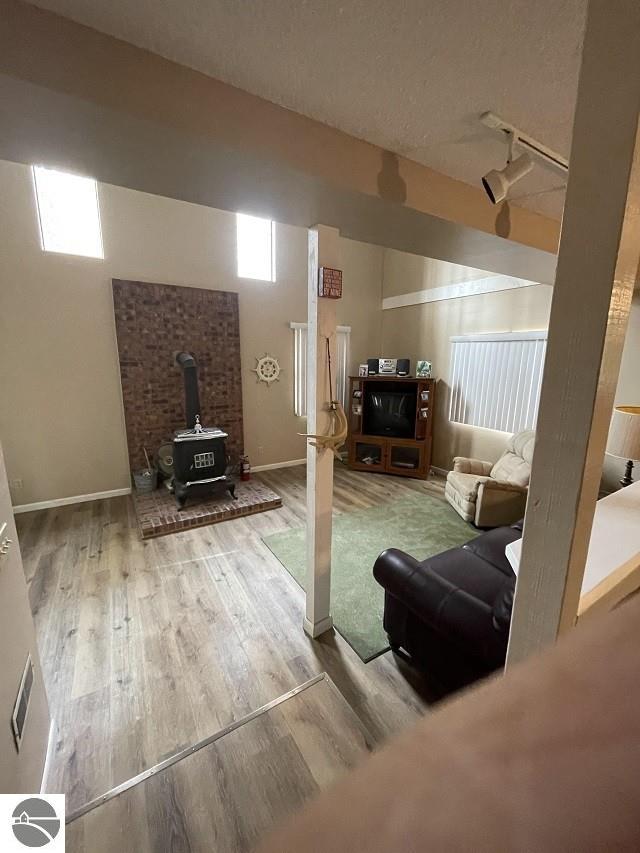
x=21, y=707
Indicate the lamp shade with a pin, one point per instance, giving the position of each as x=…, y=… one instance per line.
x=624, y=433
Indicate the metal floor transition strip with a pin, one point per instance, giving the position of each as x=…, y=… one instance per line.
x=190, y=750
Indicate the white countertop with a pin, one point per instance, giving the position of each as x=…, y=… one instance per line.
x=615, y=536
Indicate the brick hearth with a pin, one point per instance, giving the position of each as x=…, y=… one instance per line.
x=157, y=512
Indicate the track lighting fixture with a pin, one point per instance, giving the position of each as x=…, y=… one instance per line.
x=497, y=182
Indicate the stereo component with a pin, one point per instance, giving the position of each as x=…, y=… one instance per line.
x=388, y=366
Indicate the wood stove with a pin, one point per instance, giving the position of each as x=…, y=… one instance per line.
x=199, y=453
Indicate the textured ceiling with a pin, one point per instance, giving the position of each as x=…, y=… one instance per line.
x=410, y=76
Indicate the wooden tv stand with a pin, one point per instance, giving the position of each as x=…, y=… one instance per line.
x=406, y=457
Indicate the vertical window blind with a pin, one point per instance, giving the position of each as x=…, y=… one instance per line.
x=495, y=379
x=300, y=369
x=339, y=370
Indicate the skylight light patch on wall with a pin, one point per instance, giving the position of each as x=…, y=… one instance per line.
x=68, y=213
x=256, y=242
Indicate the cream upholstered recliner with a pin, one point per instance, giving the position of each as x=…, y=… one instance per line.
x=491, y=495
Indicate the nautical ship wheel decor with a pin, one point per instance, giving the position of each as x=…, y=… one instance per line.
x=267, y=369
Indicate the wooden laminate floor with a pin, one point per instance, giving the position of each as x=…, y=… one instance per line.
x=150, y=646
x=230, y=793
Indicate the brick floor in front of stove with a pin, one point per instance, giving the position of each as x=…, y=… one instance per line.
x=158, y=514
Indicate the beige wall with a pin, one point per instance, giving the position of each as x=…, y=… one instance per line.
x=405, y=273
x=61, y=421
x=424, y=331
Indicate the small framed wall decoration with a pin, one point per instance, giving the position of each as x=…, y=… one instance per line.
x=363, y=370
x=330, y=283
x=423, y=370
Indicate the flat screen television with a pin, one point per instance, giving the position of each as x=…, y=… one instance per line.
x=389, y=411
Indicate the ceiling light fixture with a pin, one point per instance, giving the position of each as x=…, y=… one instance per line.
x=497, y=182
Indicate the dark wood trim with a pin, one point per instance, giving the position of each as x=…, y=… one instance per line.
x=422, y=441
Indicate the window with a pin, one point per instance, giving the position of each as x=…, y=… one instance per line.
x=496, y=379
x=256, y=240
x=300, y=369
x=339, y=370
x=68, y=213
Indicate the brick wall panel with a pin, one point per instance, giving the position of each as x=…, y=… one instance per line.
x=153, y=323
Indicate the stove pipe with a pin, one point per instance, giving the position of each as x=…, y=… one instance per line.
x=191, y=397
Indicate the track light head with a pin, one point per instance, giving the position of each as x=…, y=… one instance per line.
x=497, y=182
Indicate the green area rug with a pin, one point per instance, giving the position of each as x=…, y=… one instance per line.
x=421, y=524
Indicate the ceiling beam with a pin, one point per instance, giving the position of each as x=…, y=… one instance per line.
x=65, y=132
x=48, y=50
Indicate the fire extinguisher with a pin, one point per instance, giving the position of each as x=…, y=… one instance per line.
x=245, y=468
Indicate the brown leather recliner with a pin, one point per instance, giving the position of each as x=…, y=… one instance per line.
x=491, y=495
x=451, y=612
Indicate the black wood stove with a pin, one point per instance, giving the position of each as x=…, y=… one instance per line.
x=199, y=453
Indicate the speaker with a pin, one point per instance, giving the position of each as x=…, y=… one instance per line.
x=404, y=366
x=372, y=366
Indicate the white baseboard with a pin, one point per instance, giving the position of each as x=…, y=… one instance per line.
x=316, y=629
x=275, y=465
x=48, y=756
x=117, y=493
x=73, y=499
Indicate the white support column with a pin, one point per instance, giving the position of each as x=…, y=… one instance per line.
x=597, y=267
x=324, y=250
